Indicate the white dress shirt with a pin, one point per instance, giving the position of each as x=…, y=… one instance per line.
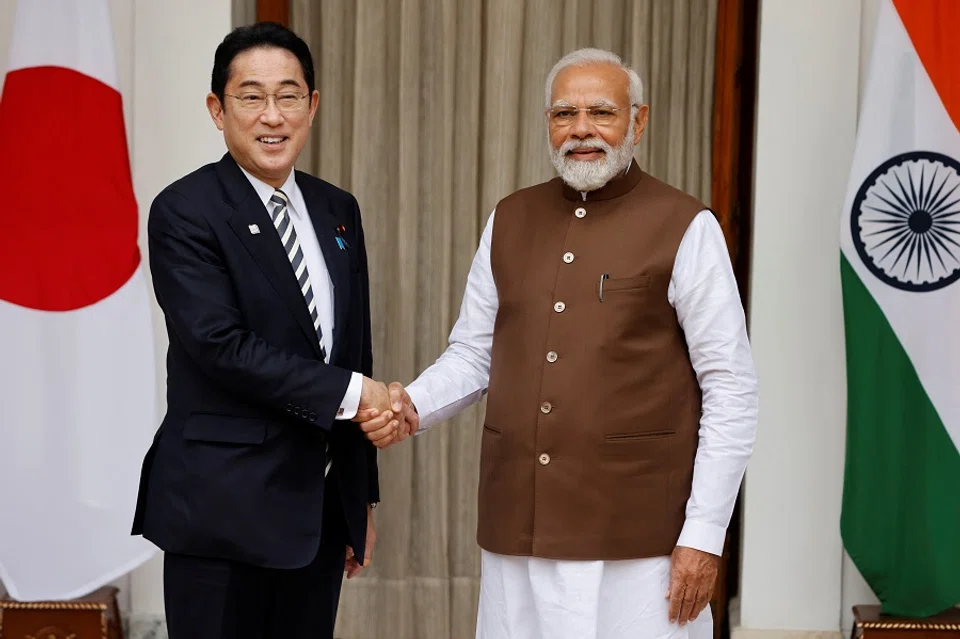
x=320, y=280
x=703, y=291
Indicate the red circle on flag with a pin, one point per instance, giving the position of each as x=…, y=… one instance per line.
x=68, y=224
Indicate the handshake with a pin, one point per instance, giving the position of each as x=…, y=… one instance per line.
x=386, y=414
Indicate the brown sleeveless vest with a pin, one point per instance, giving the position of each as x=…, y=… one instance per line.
x=593, y=408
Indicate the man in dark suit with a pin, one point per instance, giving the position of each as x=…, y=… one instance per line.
x=258, y=486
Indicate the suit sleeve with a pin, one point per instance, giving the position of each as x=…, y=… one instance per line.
x=195, y=292
x=366, y=361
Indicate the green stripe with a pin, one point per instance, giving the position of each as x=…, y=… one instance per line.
x=901, y=492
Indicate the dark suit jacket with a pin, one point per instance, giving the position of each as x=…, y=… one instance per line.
x=236, y=467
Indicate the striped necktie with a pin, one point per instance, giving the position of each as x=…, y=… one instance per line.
x=291, y=245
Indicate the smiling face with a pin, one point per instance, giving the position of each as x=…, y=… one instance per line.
x=265, y=141
x=589, y=149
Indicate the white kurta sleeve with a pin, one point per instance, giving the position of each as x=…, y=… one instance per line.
x=460, y=376
x=703, y=291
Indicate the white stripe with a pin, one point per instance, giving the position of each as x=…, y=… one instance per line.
x=79, y=409
x=74, y=34
x=286, y=236
x=306, y=286
x=296, y=245
x=313, y=306
x=303, y=265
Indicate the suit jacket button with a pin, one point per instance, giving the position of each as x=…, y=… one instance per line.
x=313, y=417
x=304, y=413
x=289, y=408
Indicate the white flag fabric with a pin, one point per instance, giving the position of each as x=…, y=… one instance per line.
x=78, y=405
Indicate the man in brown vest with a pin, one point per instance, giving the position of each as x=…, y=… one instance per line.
x=602, y=317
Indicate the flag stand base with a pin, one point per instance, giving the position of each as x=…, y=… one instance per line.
x=869, y=623
x=95, y=616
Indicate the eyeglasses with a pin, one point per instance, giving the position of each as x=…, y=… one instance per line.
x=257, y=100
x=600, y=115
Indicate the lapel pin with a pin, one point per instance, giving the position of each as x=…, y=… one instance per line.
x=254, y=229
x=341, y=241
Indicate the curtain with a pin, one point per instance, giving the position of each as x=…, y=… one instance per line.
x=243, y=12
x=430, y=112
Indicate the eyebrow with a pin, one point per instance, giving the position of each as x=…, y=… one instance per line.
x=257, y=83
x=604, y=103
x=595, y=103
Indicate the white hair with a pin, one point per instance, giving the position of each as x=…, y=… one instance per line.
x=586, y=57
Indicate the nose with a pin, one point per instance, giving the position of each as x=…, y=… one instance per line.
x=271, y=114
x=582, y=126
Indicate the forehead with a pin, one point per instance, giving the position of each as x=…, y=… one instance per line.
x=590, y=83
x=268, y=66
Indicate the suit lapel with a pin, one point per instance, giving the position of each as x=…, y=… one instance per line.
x=337, y=259
x=264, y=246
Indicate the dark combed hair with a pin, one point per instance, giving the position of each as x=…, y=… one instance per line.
x=261, y=34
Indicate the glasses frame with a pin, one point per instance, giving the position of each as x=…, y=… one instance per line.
x=266, y=101
x=577, y=110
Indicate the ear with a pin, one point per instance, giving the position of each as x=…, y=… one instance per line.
x=215, y=107
x=314, y=103
x=640, y=123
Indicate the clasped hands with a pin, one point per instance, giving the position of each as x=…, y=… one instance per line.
x=386, y=414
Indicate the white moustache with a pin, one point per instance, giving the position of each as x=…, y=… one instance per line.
x=572, y=145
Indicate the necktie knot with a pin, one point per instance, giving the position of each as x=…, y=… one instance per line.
x=279, y=201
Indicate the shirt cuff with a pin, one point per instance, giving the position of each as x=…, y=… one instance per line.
x=702, y=535
x=420, y=401
x=351, y=399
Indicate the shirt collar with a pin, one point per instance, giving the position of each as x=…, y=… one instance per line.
x=265, y=191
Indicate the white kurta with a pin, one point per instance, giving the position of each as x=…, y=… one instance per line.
x=534, y=598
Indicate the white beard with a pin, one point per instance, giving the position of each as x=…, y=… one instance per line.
x=590, y=175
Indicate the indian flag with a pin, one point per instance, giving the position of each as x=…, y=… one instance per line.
x=78, y=394
x=900, y=266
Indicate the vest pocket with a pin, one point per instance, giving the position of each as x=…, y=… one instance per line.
x=643, y=447
x=638, y=436
x=491, y=443
x=626, y=283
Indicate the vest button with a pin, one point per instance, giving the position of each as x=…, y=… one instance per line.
x=544, y=459
x=568, y=257
x=581, y=212
x=559, y=307
x=552, y=356
x=546, y=407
